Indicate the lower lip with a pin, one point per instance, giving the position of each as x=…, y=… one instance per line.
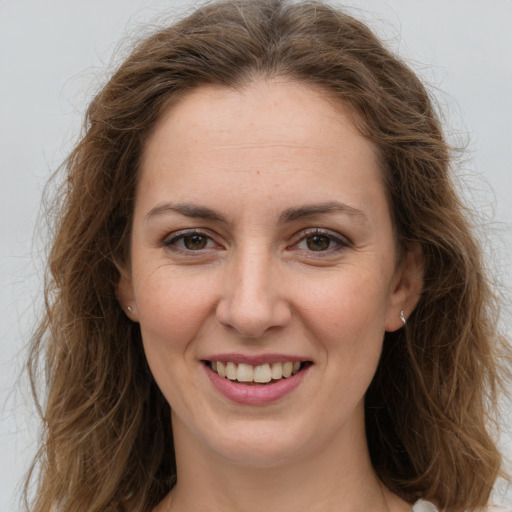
x=255, y=394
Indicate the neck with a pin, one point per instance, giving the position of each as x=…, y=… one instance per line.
x=336, y=479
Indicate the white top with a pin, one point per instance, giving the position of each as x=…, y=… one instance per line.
x=423, y=506
x=426, y=506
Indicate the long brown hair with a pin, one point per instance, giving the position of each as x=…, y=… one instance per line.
x=107, y=439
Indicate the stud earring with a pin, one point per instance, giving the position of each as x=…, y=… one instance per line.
x=402, y=317
x=130, y=309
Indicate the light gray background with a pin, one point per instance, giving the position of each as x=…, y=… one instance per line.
x=52, y=56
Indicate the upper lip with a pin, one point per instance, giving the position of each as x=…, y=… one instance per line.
x=255, y=359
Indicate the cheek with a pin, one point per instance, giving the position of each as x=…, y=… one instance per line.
x=346, y=316
x=349, y=305
x=171, y=310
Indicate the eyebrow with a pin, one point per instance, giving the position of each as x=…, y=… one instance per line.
x=292, y=214
x=288, y=215
x=187, y=210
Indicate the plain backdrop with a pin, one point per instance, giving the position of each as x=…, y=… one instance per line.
x=53, y=56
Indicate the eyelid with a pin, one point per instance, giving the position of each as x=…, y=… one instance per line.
x=170, y=239
x=341, y=240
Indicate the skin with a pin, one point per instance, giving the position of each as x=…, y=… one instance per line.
x=261, y=283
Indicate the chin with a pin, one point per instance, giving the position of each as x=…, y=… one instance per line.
x=254, y=444
x=258, y=453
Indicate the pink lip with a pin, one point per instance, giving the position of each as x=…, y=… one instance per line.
x=255, y=394
x=255, y=360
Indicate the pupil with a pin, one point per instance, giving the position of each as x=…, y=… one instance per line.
x=318, y=242
x=195, y=242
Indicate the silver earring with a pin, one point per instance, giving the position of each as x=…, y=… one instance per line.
x=402, y=317
x=130, y=309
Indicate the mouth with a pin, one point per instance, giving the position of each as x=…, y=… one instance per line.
x=263, y=374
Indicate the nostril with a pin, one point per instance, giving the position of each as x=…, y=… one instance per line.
x=253, y=320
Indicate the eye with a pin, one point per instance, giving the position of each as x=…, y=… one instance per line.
x=320, y=240
x=190, y=241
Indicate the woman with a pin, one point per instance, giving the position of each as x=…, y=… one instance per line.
x=263, y=289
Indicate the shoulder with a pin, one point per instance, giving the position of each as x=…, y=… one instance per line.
x=424, y=506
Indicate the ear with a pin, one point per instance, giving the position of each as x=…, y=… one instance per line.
x=406, y=288
x=125, y=294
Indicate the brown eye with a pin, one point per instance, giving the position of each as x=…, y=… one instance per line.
x=321, y=241
x=190, y=241
x=195, y=242
x=318, y=242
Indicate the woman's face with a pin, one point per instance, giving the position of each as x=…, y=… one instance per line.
x=262, y=244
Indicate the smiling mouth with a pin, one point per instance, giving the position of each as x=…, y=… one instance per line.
x=260, y=374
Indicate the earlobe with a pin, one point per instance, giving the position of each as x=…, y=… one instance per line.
x=407, y=288
x=125, y=295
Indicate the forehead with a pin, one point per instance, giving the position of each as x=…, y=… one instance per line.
x=263, y=114
x=266, y=137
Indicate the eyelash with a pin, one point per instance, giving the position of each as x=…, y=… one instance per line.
x=171, y=241
x=340, y=242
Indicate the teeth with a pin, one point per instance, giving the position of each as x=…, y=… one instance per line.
x=277, y=371
x=262, y=373
x=231, y=372
x=221, y=369
x=245, y=373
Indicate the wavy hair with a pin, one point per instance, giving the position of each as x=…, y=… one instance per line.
x=107, y=437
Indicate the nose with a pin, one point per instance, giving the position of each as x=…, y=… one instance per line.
x=253, y=300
